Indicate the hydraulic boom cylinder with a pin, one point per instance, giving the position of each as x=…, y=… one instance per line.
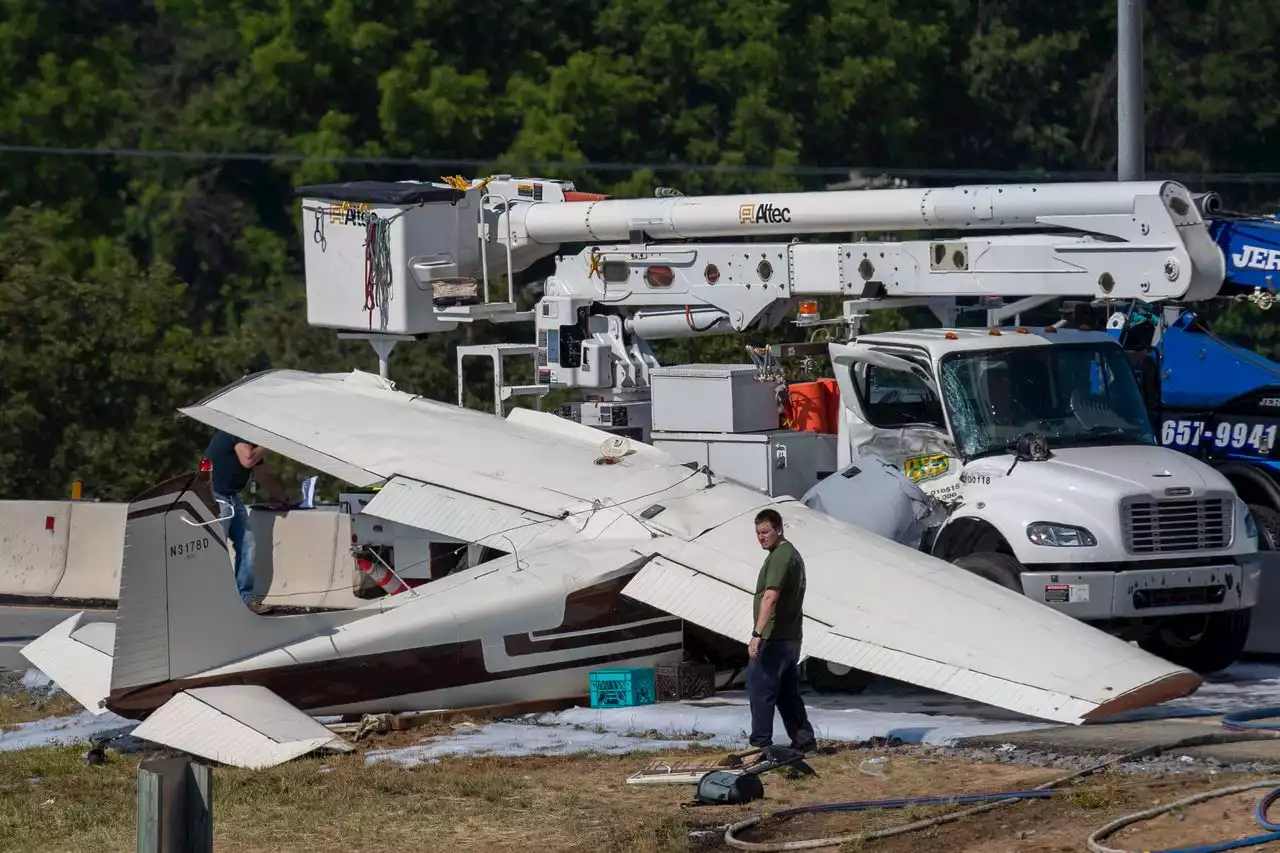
x=989, y=206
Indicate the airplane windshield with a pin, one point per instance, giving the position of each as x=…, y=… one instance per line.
x=1073, y=394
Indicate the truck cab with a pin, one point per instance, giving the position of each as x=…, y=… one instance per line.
x=1038, y=444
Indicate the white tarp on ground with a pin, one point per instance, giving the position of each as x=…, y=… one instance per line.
x=55, y=731
x=886, y=709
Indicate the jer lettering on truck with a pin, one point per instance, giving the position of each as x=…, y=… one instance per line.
x=1257, y=258
x=191, y=546
x=749, y=214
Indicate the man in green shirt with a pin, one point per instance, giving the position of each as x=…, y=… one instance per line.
x=773, y=675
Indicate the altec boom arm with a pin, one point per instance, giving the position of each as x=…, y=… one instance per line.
x=1142, y=240
x=1101, y=205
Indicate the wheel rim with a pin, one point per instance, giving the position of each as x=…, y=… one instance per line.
x=838, y=669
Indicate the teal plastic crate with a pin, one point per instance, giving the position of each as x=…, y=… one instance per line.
x=622, y=688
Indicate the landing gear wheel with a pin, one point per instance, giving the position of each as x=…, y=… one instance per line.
x=1201, y=643
x=1268, y=527
x=998, y=568
x=826, y=677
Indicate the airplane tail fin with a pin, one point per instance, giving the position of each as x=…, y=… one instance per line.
x=180, y=613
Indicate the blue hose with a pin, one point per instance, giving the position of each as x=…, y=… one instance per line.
x=1237, y=721
x=907, y=802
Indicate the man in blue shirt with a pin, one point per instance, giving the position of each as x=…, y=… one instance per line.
x=234, y=461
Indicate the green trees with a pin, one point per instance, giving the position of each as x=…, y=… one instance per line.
x=132, y=285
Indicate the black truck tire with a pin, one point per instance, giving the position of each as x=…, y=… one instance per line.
x=1202, y=644
x=1268, y=521
x=826, y=677
x=998, y=568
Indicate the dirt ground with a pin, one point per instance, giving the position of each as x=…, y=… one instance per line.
x=51, y=799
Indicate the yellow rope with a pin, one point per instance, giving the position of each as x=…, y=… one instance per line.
x=461, y=184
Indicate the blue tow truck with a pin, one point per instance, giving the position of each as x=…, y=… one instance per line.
x=1210, y=397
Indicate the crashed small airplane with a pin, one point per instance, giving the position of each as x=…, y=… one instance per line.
x=611, y=552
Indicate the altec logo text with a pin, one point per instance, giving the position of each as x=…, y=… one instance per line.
x=1257, y=258
x=750, y=214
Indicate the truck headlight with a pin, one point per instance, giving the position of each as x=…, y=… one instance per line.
x=1060, y=535
x=1250, y=523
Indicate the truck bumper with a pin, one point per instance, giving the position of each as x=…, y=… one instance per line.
x=1147, y=593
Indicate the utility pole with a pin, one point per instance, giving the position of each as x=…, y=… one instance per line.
x=1131, y=166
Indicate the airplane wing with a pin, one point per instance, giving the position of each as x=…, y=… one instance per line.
x=357, y=428
x=871, y=603
x=882, y=607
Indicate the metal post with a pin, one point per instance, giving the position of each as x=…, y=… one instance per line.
x=1130, y=90
x=175, y=806
x=383, y=347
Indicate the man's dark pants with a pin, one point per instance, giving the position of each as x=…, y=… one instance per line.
x=773, y=681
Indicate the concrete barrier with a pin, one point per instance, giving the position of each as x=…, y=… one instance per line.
x=33, y=546
x=94, y=549
x=303, y=558
x=68, y=552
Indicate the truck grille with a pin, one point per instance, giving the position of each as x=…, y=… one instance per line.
x=1188, y=524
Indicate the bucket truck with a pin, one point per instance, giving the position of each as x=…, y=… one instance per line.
x=1025, y=454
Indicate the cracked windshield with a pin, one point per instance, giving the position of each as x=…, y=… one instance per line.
x=1071, y=394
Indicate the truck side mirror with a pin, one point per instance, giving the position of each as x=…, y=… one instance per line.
x=1147, y=371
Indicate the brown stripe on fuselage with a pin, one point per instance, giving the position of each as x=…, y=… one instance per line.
x=602, y=605
x=517, y=645
x=343, y=681
x=172, y=486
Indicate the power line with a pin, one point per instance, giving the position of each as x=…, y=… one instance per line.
x=681, y=168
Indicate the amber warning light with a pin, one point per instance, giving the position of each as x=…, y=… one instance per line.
x=808, y=310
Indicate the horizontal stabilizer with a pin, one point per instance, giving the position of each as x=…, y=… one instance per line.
x=77, y=659
x=241, y=725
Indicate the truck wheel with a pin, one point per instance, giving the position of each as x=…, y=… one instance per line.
x=1268, y=527
x=998, y=568
x=827, y=677
x=1202, y=644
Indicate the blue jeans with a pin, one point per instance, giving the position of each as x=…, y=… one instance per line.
x=240, y=534
x=773, y=682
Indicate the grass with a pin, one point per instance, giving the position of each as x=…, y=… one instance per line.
x=52, y=800
x=18, y=705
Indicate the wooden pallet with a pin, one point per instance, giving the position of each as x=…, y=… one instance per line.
x=676, y=772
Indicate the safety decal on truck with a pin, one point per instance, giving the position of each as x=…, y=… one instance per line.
x=929, y=467
x=1065, y=593
x=1185, y=433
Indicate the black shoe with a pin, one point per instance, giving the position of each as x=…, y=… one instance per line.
x=808, y=748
